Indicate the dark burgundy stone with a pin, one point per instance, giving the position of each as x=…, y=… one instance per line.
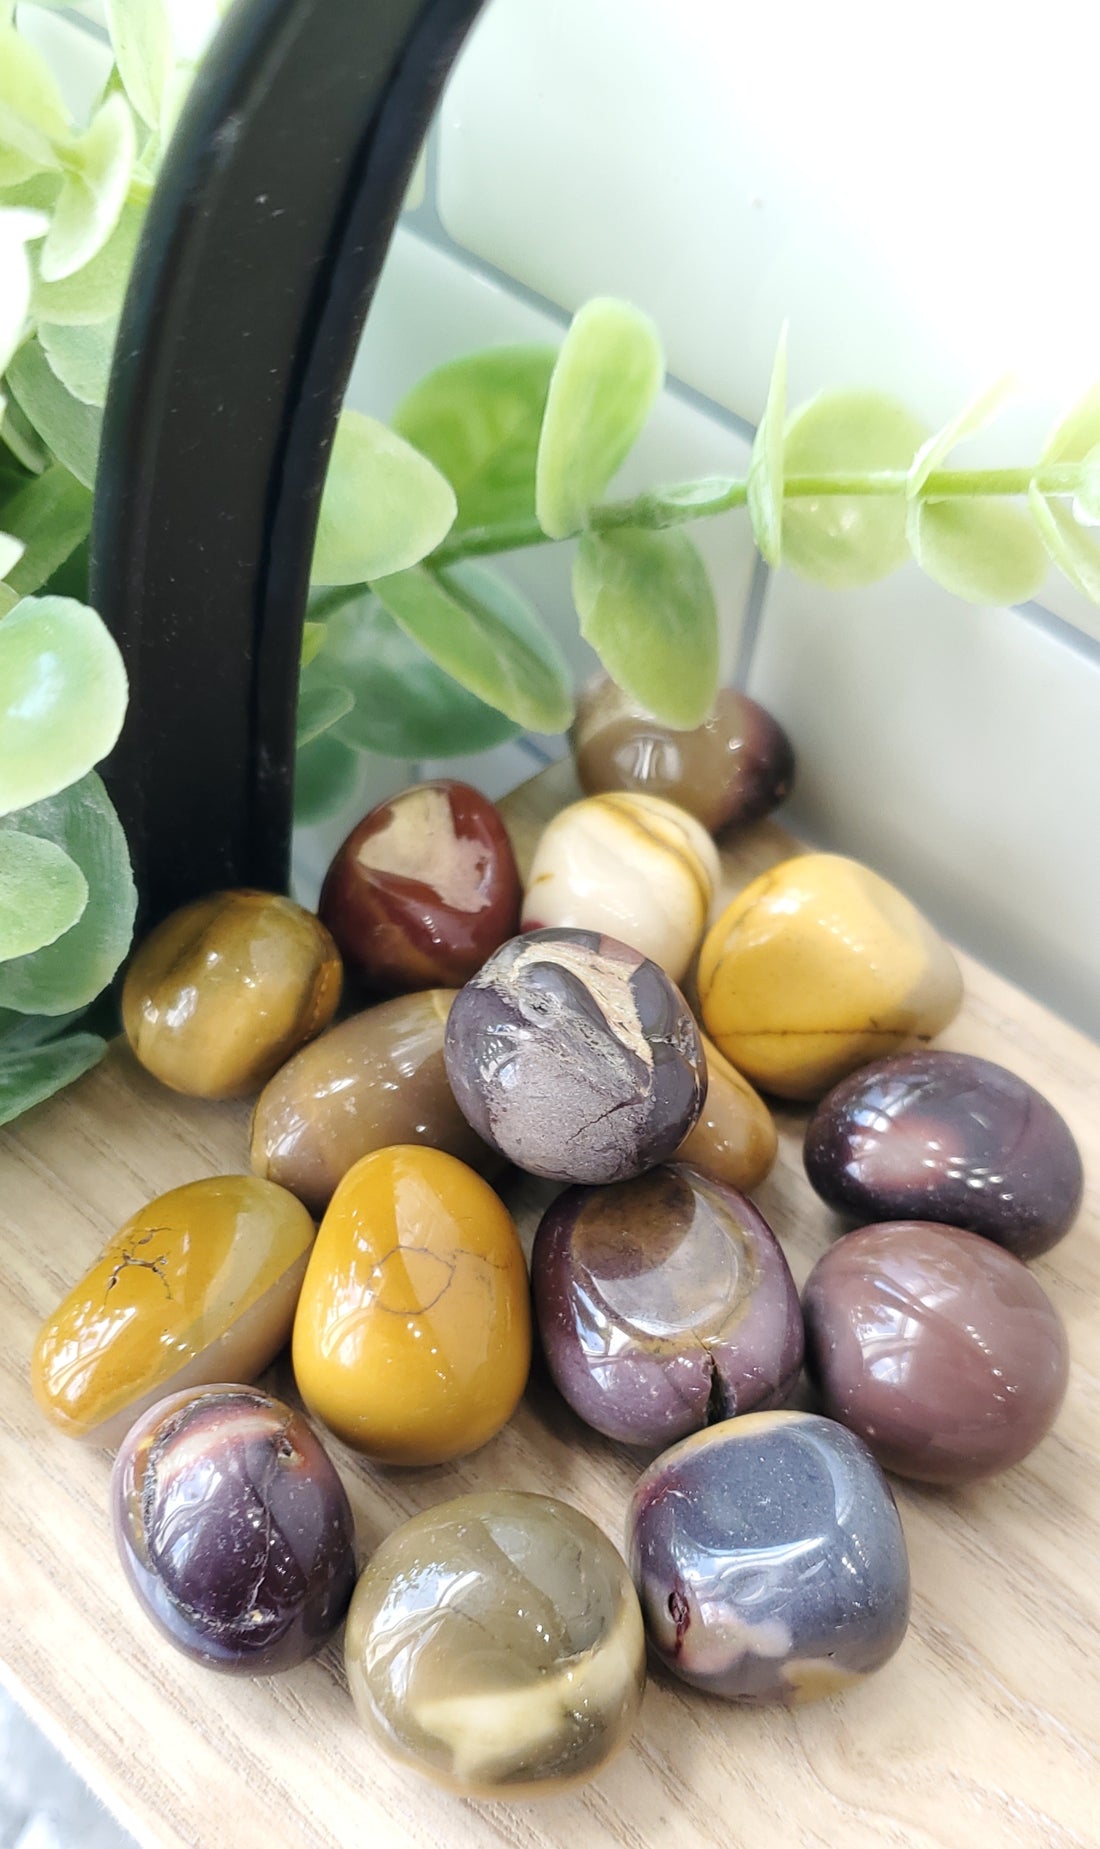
x=575, y=1057
x=769, y=1559
x=424, y=889
x=948, y=1137
x=234, y=1529
x=664, y=1304
x=939, y=1348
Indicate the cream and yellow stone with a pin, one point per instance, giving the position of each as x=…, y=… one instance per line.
x=817, y=967
x=635, y=867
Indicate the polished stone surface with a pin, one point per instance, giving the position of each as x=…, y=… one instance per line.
x=198, y=1286
x=424, y=888
x=735, y=1139
x=949, y=1137
x=226, y=989
x=576, y=1057
x=664, y=1304
x=770, y=1559
x=375, y=1080
x=818, y=967
x=234, y=1530
x=729, y=772
x=412, y=1337
x=937, y=1347
x=631, y=866
x=495, y=1644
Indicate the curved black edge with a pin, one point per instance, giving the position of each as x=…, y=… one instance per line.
x=259, y=257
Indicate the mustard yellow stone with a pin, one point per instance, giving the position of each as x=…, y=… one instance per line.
x=817, y=967
x=735, y=1139
x=412, y=1338
x=226, y=989
x=199, y=1286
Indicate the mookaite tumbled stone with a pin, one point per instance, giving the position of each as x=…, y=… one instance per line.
x=664, y=1304
x=412, y=1337
x=424, y=888
x=630, y=865
x=818, y=967
x=728, y=772
x=937, y=1347
x=495, y=1644
x=575, y=1057
x=735, y=1139
x=198, y=1286
x=233, y=1529
x=376, y=1080
x=226, y=989
x=770, y=1559
x=949, y=1137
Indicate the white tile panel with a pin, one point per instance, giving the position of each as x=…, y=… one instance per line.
x=958, y=751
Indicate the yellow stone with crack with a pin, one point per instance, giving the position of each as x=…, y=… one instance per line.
x=412, y=1338
x=817, y=967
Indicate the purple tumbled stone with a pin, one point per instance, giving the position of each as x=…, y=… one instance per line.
x=952, y=1138
x=575, y=1057
x=234, y=1529
x=664, y=1304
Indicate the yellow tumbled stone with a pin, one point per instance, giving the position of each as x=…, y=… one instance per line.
x=817, y=967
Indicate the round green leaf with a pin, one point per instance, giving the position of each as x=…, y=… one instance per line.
x=51, y=514
x=80, y=356
x=17, y=229
x=313, y=641
x=1074, y=552
x=42, y=892
x=384, y=506
x=405, y=706
x=765, y=487
x=141, y=34
x=70, y=429
x=1078, y=432
x=478, y=419
x=62, y=697
x=94, y=292
x=321, y=703
x=983, y=549
x=847, y=540
x=97, y=178
x=29, y=1077
x=973, y=417
x=647, y=608
x=32, y=112
x=326, y=776
x=479, y=630
x=72, y=971
x=608, y=373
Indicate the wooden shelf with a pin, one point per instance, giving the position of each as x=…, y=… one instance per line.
x=984, y=1730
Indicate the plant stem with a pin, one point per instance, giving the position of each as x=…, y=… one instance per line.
x=677, y=506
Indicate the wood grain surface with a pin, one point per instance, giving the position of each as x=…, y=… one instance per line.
x=983, y=1731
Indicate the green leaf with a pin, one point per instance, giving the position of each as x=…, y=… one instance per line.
x=321, y=703
x=72, y=971
x=313, y=641
x=17, y=230
x=22, y=440
x=11, y=551
x=42, y=892
x=1077, y=432
x=609, y=371
x=479, y=629
x=80, y=356
x=21, y=1031
x=8, y=599
x=983, y=549
x=1072, y=550
x=141, y=34
x=97, y=178
x=51, y=513
x=478, y=419
x=765, y=488
x=70, y=429
x=384, y=506
x=32, y=112
x=62, y=697
x=326, y=776
x=646, y=606
x=405, y=707
x=1086, y=501
x=29, y=1078
x=847, y=540
x=94, y=292
x=973, y=417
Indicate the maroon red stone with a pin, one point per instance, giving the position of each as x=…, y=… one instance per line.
x=424, y=889
x=937, y=1347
